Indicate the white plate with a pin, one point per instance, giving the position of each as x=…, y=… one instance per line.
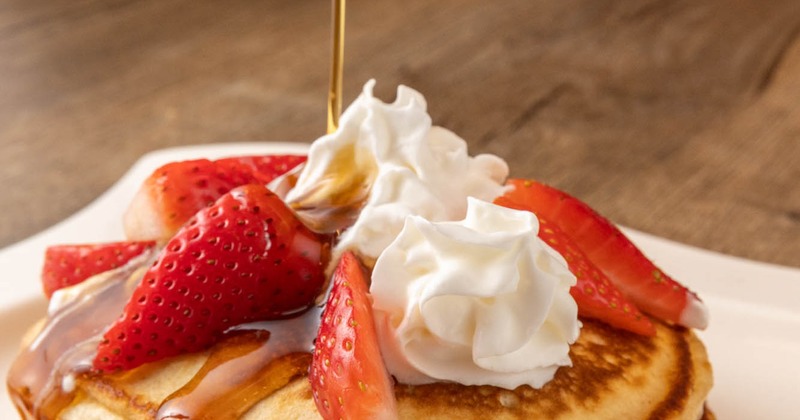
x=753, y=340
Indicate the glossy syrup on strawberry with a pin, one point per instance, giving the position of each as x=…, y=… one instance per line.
x=72, y=339
x=246, y=258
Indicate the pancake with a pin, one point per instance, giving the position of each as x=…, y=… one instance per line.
x=615, y=375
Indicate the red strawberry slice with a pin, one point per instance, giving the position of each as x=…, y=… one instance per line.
x=348, y=376
x=176, y=191
x=594, y=293
x=264, y=168
x=245, y=258
x=67, y=265
x=653, y=291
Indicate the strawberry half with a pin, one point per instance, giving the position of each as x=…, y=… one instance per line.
x=176, y=191
x=594, y=293
x=263, y=168
x=246, y=258
x=67, y=265
x=348, y=376
x=653, y=291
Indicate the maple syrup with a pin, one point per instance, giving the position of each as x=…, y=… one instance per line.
x=337, y=198
x=253, y=361
x=337, y=65
x=251, y=364
x=40, y=376
x=334, y=203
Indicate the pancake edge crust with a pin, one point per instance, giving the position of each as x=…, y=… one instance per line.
x=615, y=375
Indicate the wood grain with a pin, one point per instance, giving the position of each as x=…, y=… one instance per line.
x=677, y=118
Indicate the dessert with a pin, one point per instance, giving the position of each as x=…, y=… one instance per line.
x=453, y=293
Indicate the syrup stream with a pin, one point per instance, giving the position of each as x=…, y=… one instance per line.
x=334, y=204
x=337, y=64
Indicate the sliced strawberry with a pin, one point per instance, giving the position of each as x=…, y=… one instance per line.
x=594, y=293
x=653, y=291
x=245, y=258
x=66, y=265
x=348, y=376
x=264, y=168
x=176, y=191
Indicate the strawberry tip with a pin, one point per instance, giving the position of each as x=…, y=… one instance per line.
x=695, y=313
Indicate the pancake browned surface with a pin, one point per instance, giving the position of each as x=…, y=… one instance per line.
x=615, y=375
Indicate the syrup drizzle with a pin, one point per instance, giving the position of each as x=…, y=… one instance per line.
x=338, y=197
x=68, y=342
x=251, y=363
x=335, y=203
x=244, y=369
x=337, y=65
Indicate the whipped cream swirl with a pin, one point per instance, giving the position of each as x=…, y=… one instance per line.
x=385, y=162
x=481, y=301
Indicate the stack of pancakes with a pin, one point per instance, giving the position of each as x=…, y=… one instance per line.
x=615, y=375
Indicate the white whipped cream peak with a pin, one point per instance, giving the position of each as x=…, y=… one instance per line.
x=481, y=301
x=385, y=162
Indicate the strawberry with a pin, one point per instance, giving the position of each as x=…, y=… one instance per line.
x=652, y=290
x=594, y=293
x=245, y=258
x=176, y=191
x=348, y=377
x=66, y=265
x=264, y=168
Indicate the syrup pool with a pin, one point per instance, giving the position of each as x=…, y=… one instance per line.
x=252, y=362
x=40, y=379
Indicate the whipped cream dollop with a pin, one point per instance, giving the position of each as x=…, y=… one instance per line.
x=385, y=162
x=481, y=301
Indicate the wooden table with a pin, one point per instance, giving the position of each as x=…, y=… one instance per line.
x=677, y=118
